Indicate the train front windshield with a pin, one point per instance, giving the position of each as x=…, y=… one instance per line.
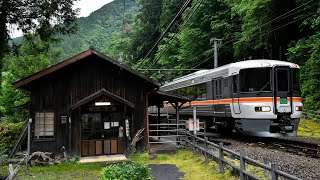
x=259, y=80
x=255, y=80
x=296, y=80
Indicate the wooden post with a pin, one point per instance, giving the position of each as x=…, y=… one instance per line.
x=158, y=121
x=266, y=172
x=242, y=167
x=186, y=139
x=177, y=122
x=13, y=172
x=221, y=158
x=69, y=122
x=29, y=137
x=206, y=150
x=274, y=168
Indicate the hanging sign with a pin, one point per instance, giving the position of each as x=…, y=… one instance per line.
x=191, y=125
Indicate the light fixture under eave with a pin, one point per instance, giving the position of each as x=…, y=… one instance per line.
x=102, y=103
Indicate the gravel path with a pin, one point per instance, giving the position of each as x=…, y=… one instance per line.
x=300, y=166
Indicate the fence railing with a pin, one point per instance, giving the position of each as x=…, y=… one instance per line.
x=202, y=145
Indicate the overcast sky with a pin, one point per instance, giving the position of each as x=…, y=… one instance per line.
x=86, y=7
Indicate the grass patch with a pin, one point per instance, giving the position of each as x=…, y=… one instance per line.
x=254, y=170
x=309, y=128
x=194, y=167
x=60, y=171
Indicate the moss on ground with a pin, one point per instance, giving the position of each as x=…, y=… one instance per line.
x=309, y=128
x=254, y=170
x=60, y=171
x=194, y=167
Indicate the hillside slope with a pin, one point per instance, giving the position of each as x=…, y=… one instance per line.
x=98, y=29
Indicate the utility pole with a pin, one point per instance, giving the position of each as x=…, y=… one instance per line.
x=215, y=47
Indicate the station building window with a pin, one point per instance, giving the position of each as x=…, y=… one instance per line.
x=44, y=125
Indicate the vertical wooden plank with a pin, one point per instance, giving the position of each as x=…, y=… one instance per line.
x=114, y=146
x=107, y=147
x=84, y=148
x=98, y=147
x=92, y=146
x=120, y=146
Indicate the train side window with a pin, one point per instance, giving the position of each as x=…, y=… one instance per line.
x=218, y=88
x=209, y=89
x=225, y=88
x=234, y=84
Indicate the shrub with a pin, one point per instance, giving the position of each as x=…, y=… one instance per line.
x=126, y=171
x=9, y=133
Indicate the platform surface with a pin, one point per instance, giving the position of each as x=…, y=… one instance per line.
x=105, y=158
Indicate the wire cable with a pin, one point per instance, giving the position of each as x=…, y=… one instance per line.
x=189, y=15
x=167, y=29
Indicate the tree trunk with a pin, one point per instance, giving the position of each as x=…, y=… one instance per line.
x=3, y=31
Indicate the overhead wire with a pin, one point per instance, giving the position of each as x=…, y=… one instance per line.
x=185, y=5
x=176, y=7
x=275, y=29
x=189, y=15
x=287, y=14
x=282, y=16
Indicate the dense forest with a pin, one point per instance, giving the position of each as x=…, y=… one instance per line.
x=287, y=30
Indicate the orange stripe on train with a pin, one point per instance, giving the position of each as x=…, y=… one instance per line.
x=241, y=100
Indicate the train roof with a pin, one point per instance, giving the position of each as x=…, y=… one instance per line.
x=223, y=71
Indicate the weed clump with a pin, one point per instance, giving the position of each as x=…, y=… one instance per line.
x=126, y=171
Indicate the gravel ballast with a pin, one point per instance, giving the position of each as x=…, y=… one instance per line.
x=299, y=166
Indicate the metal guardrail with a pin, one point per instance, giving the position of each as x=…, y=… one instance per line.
x=275, y=172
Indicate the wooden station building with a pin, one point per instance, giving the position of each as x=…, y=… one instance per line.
x=89, y=104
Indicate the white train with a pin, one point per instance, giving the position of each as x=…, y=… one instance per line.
x=255, y=97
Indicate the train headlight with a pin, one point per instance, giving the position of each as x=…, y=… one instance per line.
x=298, y=108
x=263, y=109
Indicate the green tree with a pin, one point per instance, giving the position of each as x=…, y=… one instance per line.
x=306, y=52
x=33, y=56
x=147, y=27
x=45, y=17
x=190, y=47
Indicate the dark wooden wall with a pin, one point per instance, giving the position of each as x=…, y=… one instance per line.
x=59, y=90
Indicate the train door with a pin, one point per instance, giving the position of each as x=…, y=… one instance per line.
x=282, y=90
x=235, y=95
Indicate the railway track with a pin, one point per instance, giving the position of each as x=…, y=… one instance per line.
x=292, y=146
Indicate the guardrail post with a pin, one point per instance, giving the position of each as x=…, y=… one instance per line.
x=206, y=149
x=274, y=168
x=242, y=167
x=186, y=139
x=194, y=144
x=221, y=158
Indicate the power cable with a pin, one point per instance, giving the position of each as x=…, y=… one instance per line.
x=167, y=29
x=189, y=15
x=275, y=29
x=287, y=14
x=175, y=9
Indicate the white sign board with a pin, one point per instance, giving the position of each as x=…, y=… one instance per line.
x=191, y=125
